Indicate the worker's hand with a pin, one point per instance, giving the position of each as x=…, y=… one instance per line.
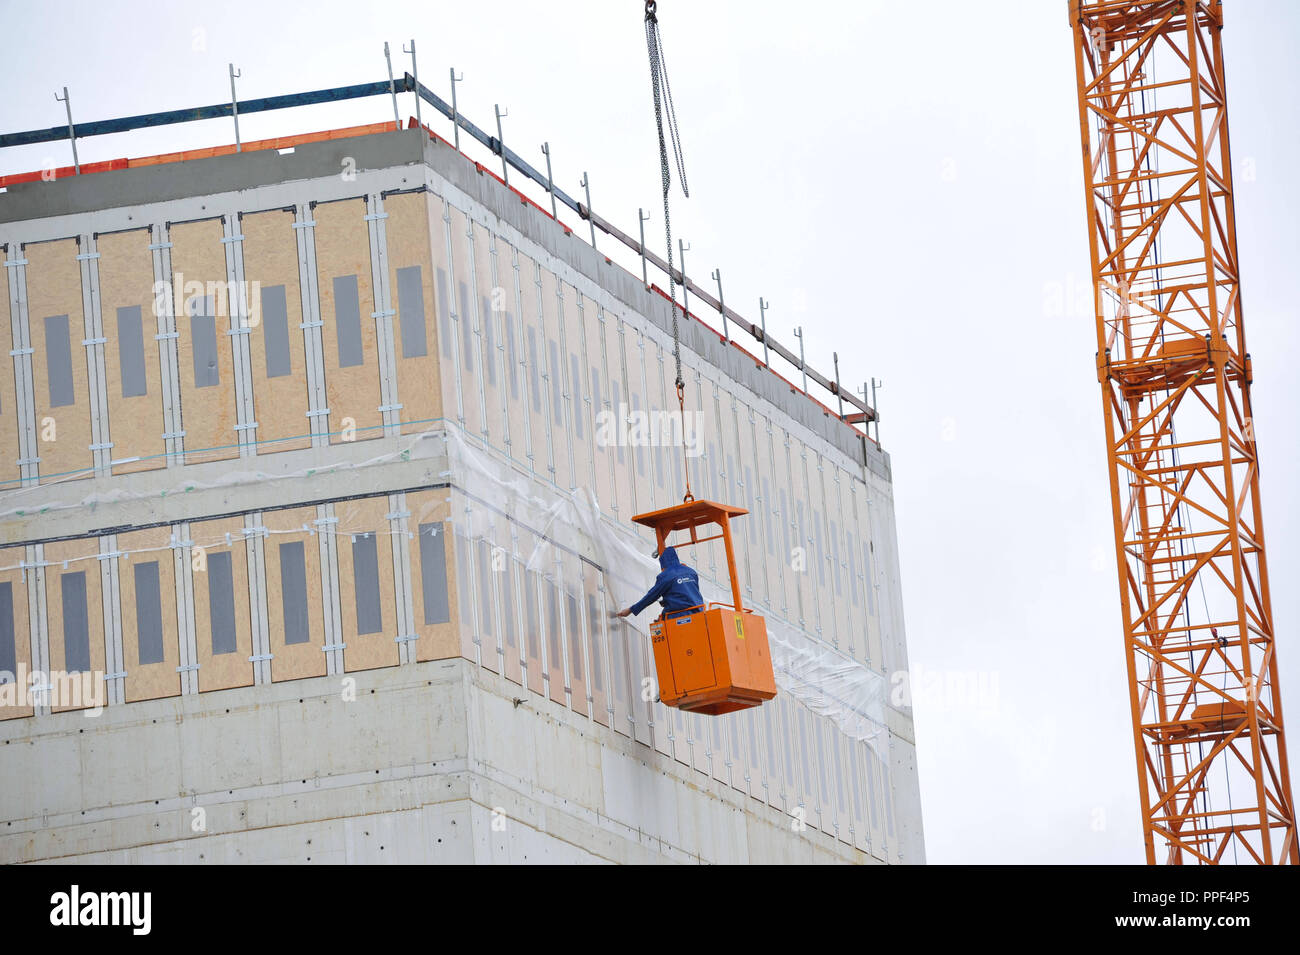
x=624, y=613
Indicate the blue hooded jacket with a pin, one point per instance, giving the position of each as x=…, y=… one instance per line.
x=677, y=586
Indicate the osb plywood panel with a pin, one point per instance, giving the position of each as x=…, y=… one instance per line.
x=488, y=337
x=571, y=600
x=508, y=616
x=54, y=288
x=343, y=249
x=532, y=347
x=208, y=413
x=148, y=681
x=554, y=385
x=68, y=559
x=440, y=282
x=596, y=386
x=135, y=423
x=219, y=671
x=9, y=470
x=436, y=641
x=271, y=260
x=365, y=651
x=410, y=217
x=579, y=421
x=462, y=288
x=13, y=697
x=294, y=661
x=597, y=644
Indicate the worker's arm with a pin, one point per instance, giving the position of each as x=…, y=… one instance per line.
x=654, y=593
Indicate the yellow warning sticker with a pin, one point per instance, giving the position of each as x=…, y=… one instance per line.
x=740, y=626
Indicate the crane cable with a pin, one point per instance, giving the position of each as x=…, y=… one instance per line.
x=663, y=98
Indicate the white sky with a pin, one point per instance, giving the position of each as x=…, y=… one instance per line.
x=902, y=179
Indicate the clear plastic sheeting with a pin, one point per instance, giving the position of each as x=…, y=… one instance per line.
x=824, y=680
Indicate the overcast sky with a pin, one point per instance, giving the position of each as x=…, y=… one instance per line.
x=904, y=181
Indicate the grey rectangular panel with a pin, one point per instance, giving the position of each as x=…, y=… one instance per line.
x=148, y=613
x=556, y=371
x=637, y=445
x=466, y=333
x=485, y=587
x=275, y=331
x=556, y=659
x=767, y=517
x=8, y=648
x=365, y=572
x=509, y=625
x=579, y=408
x=293, y=592
x=444, y=314
x=410, y=311
x=512, y=356
x=347, y=320
x=489, y=349
x=530, y=606
x=221, y=602
x=433, y=573
x=849, y=546
x=835, y=558
x=597, y=661
x=867, y=549
x=818, y=545
x=203, y=333
x=58, y=361
x=130, y=351
x=533, y=374
x=573, y=620
x=620, y=418
x=76, y=628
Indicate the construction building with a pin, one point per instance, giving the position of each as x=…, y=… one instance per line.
x=319, y=461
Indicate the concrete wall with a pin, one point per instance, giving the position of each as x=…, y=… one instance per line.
x=426, y=763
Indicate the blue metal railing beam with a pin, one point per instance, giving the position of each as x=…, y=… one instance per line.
x=217, y=111
x=492, y=143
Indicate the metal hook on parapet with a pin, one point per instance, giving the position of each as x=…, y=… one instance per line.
x=835, y=357
x=66, y=100
x=501, y=143
x=875, y=408
x=643, y=218
x=682, y=249
x=550, y=180
x=762, y=318
x=586, y=185
x=234, y=103
x=415, y=75
x=455, y=113
x=722, y=305
x=392, y=88
x=803, y=365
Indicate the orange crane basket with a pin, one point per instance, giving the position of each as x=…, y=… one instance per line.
x=713, y=658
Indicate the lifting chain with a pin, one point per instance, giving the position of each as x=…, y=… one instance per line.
x=663, y=98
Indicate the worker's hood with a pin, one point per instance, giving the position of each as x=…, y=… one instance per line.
x=668, y=559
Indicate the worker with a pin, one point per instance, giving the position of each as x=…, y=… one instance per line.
x=677, y=587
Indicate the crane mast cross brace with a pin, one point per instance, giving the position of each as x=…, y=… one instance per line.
x=1184, y=473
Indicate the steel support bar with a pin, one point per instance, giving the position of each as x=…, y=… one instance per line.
x=217, y=111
